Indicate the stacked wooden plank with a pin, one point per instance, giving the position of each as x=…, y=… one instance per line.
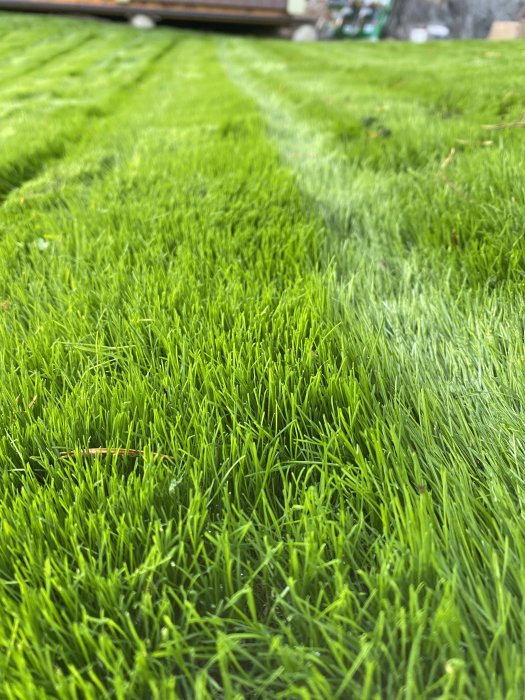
x=264, y=12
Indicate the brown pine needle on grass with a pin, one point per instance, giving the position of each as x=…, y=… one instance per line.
x=448, y=160
x=111, y=451
x=499, y=127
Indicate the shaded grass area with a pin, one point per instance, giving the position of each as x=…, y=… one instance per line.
x=224, y=261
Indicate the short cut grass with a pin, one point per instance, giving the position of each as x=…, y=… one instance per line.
x=262, y=358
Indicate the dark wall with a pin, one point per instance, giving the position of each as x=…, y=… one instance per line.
x=465, y=18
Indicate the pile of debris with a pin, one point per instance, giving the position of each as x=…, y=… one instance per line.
x=465, y=19
x=418, y=20
x=354, y=19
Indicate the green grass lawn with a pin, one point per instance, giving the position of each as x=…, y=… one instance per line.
x=282, y=287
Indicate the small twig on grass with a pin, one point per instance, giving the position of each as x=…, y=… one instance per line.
x=452, y=186
x=448, y=160
x=498, y=127
x=113, y=451
x=466, y=142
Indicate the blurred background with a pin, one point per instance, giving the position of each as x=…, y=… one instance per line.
x=311, y=20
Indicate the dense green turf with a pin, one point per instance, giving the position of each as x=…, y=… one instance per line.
x=297, y=272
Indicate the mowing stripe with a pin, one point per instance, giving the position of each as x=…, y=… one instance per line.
x=320, y=171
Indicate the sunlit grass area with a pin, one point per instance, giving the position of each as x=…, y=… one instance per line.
x=262, y=322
